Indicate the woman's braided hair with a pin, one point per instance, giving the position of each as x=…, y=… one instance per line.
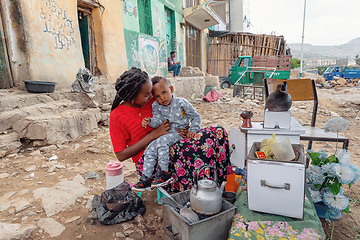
x=128, y=85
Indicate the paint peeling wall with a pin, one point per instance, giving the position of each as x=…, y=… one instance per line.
x=110, y=41
x=44, y=40
x=150, y=52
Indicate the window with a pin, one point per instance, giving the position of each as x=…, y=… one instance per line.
x=145, y=21
x=191, y=3
x=244, y=62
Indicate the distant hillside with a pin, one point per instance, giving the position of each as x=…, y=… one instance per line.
x=349, y=50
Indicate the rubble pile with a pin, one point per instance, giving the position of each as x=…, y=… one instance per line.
x=337, y=82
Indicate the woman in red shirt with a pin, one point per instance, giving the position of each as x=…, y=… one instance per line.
x=132, y=103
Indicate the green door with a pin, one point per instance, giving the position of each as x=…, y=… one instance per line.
x=84, y=34
x=4, y=71
x=170, y=30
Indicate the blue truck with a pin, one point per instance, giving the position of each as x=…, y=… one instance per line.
x=347, y=72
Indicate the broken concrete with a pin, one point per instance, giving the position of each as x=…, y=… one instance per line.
x=61, y=196
x=15, y=231
x=50, y=226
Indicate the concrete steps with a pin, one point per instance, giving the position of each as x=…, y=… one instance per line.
x=51, y=118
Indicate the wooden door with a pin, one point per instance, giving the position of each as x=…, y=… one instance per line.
x=193, y=51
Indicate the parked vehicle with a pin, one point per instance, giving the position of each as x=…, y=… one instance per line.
x=347, y=72
x=252, y=70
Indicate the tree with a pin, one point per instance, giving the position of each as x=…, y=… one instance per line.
x=357, y=59
x=321, y=70
x=295, y=63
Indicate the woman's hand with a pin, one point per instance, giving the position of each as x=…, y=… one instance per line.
x=162, y=129
x=190, y=134
x=183, y=131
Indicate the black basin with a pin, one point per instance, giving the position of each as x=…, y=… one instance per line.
x=39, y=86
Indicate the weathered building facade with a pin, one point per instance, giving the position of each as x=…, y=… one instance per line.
x=152, y=30
x=49, y=40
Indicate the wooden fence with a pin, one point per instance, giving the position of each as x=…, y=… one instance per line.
x=224, y=50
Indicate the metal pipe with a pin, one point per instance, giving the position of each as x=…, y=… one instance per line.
x=229, y=18
x=302, y=42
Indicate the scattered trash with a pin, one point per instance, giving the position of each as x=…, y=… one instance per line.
x=84, y=81
x=120, y=192
x=212, y=96
x=53, y=157
x=31, y=175
x=92, y=175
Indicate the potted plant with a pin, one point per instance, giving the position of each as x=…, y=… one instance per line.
x=328, y=174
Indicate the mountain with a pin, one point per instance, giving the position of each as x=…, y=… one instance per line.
x=349, y=50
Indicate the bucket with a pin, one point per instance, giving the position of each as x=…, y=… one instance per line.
x=114, y=174
x=208, y=88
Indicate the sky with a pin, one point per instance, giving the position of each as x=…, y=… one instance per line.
x=327, y=22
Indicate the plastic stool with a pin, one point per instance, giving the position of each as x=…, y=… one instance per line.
x=159, y=195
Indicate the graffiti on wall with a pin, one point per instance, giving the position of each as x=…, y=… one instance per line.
x=149, y=56
x=57, y=22
x=130, y=9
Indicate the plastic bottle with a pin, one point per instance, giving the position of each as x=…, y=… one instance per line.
x=114, y=174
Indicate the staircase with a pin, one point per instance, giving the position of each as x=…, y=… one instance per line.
x=52, y=118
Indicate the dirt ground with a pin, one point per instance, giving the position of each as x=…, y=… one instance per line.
x=78, y=158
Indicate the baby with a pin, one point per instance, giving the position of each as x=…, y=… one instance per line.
x=179, y=112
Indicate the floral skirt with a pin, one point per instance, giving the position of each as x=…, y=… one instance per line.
x=210, y=146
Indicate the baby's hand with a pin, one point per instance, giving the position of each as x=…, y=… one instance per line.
x=190, y=134
x=145, y=122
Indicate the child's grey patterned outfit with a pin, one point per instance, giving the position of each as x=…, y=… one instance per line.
x=179, y=113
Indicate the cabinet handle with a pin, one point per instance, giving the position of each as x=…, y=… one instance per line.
x=286, y=186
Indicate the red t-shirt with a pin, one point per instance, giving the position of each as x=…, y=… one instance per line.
x=126, y=129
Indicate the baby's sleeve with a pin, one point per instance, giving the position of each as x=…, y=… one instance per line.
x=156, y=120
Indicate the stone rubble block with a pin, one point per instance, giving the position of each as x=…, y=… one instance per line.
x=50, y=226
x=18, y=100
x=60, y=128
x=188, y=87
x=10, y=231
x=213, y=81
x=8, y=118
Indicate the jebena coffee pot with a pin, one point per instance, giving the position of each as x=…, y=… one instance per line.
x=205, y=196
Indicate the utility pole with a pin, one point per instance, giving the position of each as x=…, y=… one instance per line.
x=229, y=17
x=302, y=42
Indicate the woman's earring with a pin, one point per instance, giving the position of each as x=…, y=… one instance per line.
x=132, y=101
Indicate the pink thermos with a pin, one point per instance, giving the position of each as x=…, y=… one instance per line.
x=114, y=174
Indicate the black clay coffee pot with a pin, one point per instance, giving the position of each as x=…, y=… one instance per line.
x=279, y=100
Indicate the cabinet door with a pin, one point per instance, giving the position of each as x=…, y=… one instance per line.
x=237, y=148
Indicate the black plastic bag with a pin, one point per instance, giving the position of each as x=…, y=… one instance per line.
x=120, y=192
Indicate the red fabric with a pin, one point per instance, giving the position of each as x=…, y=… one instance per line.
x=212, y=96
x=126, y=129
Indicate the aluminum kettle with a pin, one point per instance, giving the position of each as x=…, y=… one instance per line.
x=205, y=196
